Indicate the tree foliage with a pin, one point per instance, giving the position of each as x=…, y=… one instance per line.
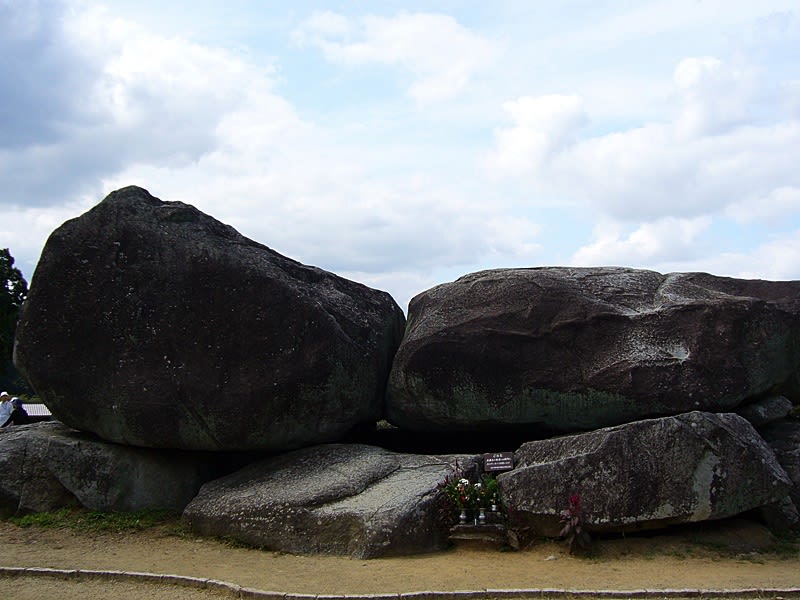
x=13, y=291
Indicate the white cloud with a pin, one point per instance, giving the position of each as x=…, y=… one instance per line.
x=174, y=93
x=667, y=124
x=652, y=172
x=402, y=284
x=143, y=99
x=43, y=75
x=791, y=97
x=775, y=206
x=651, y=243
x=514, y=238
x=702, y=160
x=777, y=259
x=542, y=126
x=715, y=96
x=321, y=25
x=619, y=23
x=441, y=55
x=24, y=229
x=324, y=212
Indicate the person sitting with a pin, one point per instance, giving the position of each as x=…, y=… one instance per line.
x=6, y=408
x=18, y=416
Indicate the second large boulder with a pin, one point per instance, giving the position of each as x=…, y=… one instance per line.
x=569, y=349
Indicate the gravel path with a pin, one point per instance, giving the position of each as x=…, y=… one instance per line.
x=638, y=563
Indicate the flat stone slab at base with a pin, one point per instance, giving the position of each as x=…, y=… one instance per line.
x=489, y=536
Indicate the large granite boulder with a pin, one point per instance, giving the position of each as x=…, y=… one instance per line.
x=346, y=499
x=47, y=466
x=149, y=323
x=570, y=349
x=646, y=474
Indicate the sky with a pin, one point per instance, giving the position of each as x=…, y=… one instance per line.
x=404, y=144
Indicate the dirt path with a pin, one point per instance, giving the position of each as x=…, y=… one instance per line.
x=663, y=562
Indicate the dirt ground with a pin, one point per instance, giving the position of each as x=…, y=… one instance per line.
x=735, y=555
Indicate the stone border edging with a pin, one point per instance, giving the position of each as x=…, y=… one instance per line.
x=238, y=591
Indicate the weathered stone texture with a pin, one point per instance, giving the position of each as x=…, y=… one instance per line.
x=784, y=438
x=570, y=349
x=766, y=410
x=47, y=466
x=646, y=474
x=149, y=323
x=346, y=499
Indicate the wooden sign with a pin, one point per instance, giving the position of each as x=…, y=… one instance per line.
x=498, y=461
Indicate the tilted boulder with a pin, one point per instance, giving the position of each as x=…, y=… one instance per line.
x=47, y=466
x=150, y=323
x=646, y=474
x=572, y=349
x=346, y=499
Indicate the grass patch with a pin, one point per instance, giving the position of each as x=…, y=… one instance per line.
x=90, y=520
x=786, y=546
x=233, y=542
x=713, y=547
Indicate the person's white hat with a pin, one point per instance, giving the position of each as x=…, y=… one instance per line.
x=4, y=394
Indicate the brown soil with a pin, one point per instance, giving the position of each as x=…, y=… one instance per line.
x=734, y=555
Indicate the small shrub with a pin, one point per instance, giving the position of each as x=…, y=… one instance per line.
x=490, y=493
x=573, y=529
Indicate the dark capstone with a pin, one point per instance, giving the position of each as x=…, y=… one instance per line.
x=150, y=323
x=570, y=349
x=646, y=474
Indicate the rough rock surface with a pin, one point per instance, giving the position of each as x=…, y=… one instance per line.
x=346, y=499
x=150, y=323
x=780, y=516
x=646, y=474
x=571, y=349
x=784, y=439
x=766, y=410
x=47, y=466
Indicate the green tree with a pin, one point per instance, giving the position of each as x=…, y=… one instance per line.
x=13, y=290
